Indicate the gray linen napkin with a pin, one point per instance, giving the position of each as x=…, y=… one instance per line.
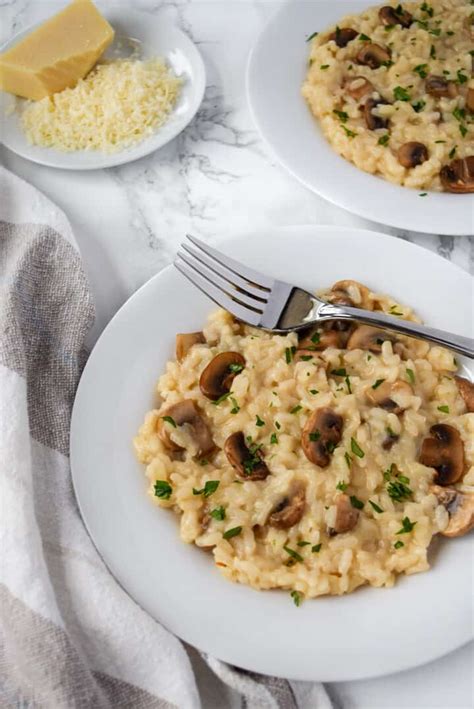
x=70, y=636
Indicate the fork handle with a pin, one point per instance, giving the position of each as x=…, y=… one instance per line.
x=458, y=343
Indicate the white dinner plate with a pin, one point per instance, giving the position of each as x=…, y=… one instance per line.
x=368, y=633
x=157, y=38
x=276, y=70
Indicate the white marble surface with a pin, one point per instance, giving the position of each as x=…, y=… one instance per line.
x=217, y=178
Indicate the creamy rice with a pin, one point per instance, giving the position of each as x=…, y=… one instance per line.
x=438, y=42
x=271, y=400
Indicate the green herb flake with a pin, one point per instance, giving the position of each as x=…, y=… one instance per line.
x=277, y=425
x=459, y=114
x=295, y=409
x=316, y=338
x=313, y=391
x=218, y=513
x=289, y=353
x=273, y=439
x=407, y=526
x=444, y=409
x=355, y=502
x=342, y=486
x=235, y=407
x=162, y=489
x=398, y=490
x=314, y=435
x=306, y=358
x=236, y=368
x=421, y=70
x=342, y=115
x=401, y=94
x=452, y=152
x=169, y=420
x=440, y=141
x=428, y=9
x=356, y=449
x=293, y=554
x=303, y=543
x=297, y=598
x=399, y=544
x=433, y=52
x=209, y=488
x=339, y=372
x=323, y=67
x=349, y=133
x=462, y=130
x=234, y=532
x=378, y=383
x=311, y=36
x=331, y=447
x=348, y=385
x=423, y=194
x=375, y=507
x=363, y=37
x=436, y=32
x=384, y=139
x=418, y=106
x=316, y=548
x=259, y=422
x=222, y=398
x=411, y=375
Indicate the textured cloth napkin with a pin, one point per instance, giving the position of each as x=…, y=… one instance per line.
x=69, y=634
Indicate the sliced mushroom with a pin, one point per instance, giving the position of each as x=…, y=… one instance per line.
x=373, y=55
x=358, y=87
x=470, y=100
x=412, y=154
x=342, y=36
x=458, y=176
x=346, y=516
x=216, y=379
x=391, y=16
x=321, y=434
x=369, y=338
x=374, y=122
x=184, y=342
x=328, y=338
x=289, y=510
x=440, y=87
x=460, y=507
x=248, y=462
x=186, y=413
x=342, y=289
x=466, y=389
x=443, y=451
x=382, y=396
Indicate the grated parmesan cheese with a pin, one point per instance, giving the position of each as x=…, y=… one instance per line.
x=117, y=105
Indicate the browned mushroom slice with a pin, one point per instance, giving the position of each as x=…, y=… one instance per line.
x=391, y=16
x=343, y=290
x=440, y=87
x=373, y=55
x=346, y=516
x=289, y=510
x=466, y=389
x=443, y=451
x=319, y=341
x=185, y=413
x=374, y=122
x=412, y=154
x=470, y=100
x=383, y=395
x=342, y=36
x=460, y=507
x=320, y=436
x=216, y=379
x=369, y=338
x=184, y=342
x=358, y=86
x=248, y=461
x=458, y=176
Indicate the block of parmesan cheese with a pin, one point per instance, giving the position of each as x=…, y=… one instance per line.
x=57, y=54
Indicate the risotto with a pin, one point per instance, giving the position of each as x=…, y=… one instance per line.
x=393, y=90
x=316, y=462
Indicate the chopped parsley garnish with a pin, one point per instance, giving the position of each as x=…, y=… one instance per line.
x=418, y=106
x=311, y=36
x=375, y=507
x=294, y=554
x=401, y=94
x=421, y=70
x=162, y=489
x=209, y=487
x=411, y=375
x=236, y=407
x=203, y=461
x=316, y=338
x=399, y=544
x=378, y=383
x=422, y=24
x=427, y=8
x=452, y=152
x=444, y=409
x=462, y=129
x=363, y=37
x=436, y=32
x=222, y=398
x=331, y=447
x=289, y=352
x=314, y=435
x=342, y=486
x=348, y=385
x=295, y=409
x=440, y=141
x=355, y=502
x=356, y=449
x=306, y=358
x=398, y=490
x=407, y=526
x=349, y=133
x=258, y=421
x=234, y=532
x=383, y=140
x=316, y=548
x=323, y=67
x=218, y=513
x=348, y=459
x=236, y=368
x=303, y=543
x=459, y=114
x=273, y=439
x=297, y=598
x=342, y=115
x=169, y=420
x=254, y=459
x=423, y=194
x=339, y=372
x=450, y=33
x=433, y=52
x=313, y=391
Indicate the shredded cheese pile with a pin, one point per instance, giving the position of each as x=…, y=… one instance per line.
x=118, y=104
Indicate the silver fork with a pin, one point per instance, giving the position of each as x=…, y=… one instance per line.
x=281, y=307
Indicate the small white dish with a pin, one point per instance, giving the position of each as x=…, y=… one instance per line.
x=276, y=70
x=368, y=633
x=156, y=38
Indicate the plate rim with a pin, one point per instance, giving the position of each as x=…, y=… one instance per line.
x=110, y=564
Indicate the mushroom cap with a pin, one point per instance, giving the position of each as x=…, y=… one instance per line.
x=391, y=16
x=374, y=122
x=346, y=515
x=466, y=389
x=382, y=396
x=470, y=100
x=358, y=86
x=184, y=342
x=248, y=463
x=460, y=507
x=443, y=450
x=327, y=338
x=345, y=289
x=183, y=413
x=440, y=87
x=412, y=154
x=458, y=176
x=342, y=36
x=290, y=509
x=216, y=379
x=373, y=55
x=323, y=427
x=366, y=337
